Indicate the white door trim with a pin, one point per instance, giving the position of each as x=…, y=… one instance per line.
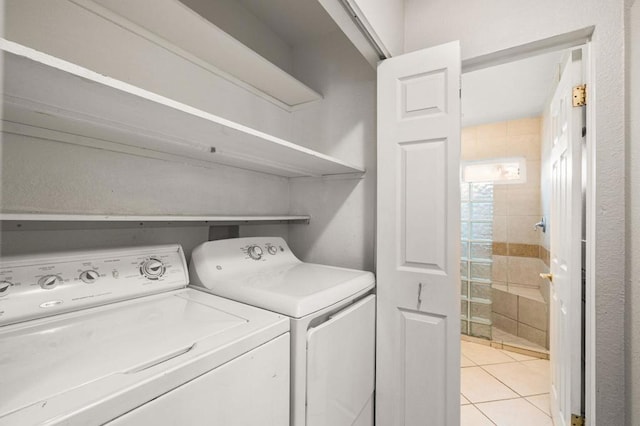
x=573, y=39
x=590, y=258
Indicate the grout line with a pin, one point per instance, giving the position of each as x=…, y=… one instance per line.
x=496, y=400
x=508, y=387
x=524, y=397
x=484, y=414
x=540, y=409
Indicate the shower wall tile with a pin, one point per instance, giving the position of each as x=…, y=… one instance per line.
x=468, y=134
x=499, y=268
x=532, y=334
x=523, y=250
x=533, y=313
x=544, y=289
x=500, y=199
x=468, y=150
x=500, y=249
x=505, y=323
x=545, y=255
x=527, y=146
x=505, y=304
x=520, y=229
x=524, y=126
x=523, y=201
x=533, y=174
x=524, y=270
x=492, y=131
x=500, y=228
x=491, y=147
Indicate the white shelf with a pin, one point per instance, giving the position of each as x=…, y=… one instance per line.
x=177, y=28
x=51, y=98
x=43, y=221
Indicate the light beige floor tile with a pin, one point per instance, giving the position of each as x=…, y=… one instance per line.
x=525, y=379
x=514, y=412
x=466, y=362
x=479, y=386
x=541, y=401
x=471, y=416
x=463, y=400
x=541, y=366
x=484, y=355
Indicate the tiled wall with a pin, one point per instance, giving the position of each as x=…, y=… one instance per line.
x=517, y=206
x=519, y=296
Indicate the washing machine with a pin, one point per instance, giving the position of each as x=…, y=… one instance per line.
x=115, y=337
x=332, y=314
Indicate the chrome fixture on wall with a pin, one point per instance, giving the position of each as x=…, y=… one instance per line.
x=542, y=224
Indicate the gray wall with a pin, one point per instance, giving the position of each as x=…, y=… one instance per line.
x=632, y=296
x=487, y=27
x=343, y=125
x=52, y=177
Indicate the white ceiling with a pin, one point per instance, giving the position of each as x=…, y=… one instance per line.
x=295, y=21
x=513, y=90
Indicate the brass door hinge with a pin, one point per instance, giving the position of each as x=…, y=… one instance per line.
x=577, y=420
x=580, y=95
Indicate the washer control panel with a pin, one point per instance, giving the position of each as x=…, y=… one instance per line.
x=41, y=285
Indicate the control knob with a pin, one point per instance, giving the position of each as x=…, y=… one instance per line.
x=255, y=252
x=49, y=281
x=5, y=286
x=90, y=276
x=152, y=268
x=272, y=250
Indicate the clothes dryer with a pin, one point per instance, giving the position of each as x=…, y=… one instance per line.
x=332, y=314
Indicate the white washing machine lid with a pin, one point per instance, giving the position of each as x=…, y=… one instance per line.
x=280, y=282
x=122, y=355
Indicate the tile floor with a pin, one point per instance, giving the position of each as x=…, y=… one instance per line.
x=503, y=388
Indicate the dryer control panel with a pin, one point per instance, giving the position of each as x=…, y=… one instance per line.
x=237, y=257
x=35, y=286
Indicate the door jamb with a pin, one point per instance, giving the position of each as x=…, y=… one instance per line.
x=576, y=38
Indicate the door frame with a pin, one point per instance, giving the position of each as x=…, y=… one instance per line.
x=574, y=39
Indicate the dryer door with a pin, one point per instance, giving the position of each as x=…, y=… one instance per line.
x=340, y=368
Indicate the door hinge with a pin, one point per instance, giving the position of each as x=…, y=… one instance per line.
x=580, y=95
x=577, y=420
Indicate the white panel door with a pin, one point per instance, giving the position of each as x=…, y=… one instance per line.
x=565, y=225
x=418, y=340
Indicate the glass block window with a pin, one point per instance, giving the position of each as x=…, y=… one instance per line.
x=476, y=229
x=497, y=170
